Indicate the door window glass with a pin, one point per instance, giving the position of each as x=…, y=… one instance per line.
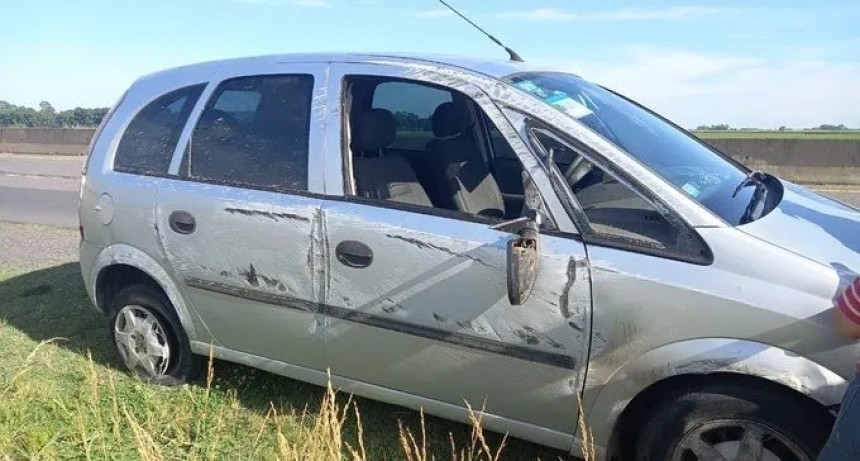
x=148, y=143
x=412, y=106
x=616, y=213
x=254, y=131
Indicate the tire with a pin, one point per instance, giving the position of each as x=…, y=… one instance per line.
x=691, y=423
x=149, y=337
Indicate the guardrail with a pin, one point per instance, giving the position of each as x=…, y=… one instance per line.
x=808, y=161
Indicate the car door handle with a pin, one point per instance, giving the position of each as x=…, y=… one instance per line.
x=354, y=254
x=182, y=222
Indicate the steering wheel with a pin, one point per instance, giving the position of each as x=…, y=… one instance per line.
x=577, y=170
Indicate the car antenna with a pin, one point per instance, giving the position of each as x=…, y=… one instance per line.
x=513, y=54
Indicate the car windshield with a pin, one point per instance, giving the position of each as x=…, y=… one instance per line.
x=671, y=152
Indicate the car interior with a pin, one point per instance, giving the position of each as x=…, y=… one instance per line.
x=455, y=159
x=450, y=164
x=611, y=207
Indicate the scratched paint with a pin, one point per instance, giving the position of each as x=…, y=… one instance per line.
x=275, y=216
x=441, y=274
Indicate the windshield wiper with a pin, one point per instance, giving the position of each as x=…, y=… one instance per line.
x=756, y=206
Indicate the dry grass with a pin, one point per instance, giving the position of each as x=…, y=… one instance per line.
x=64, y=395
x=104, y=421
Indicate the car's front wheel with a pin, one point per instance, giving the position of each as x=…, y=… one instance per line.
x=729, y=421
x=149, y=337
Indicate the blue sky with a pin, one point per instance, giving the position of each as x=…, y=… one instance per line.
x=747, y=63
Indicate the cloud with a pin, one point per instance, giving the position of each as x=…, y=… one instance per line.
x=311, y=3
x=438, y=13
x=623, y=14
x=705, y=88
x=301, y=3
x=253, y=2
x=540, y=14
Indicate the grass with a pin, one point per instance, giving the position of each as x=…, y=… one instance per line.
x=65, y=396
x=849, y=135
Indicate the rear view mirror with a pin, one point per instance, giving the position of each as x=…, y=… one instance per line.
x=523, y=263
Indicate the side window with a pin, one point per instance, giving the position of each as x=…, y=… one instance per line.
x=616, y=213
x=254, y=131
x=428, y=147
x=412, y=106
x=148, y=143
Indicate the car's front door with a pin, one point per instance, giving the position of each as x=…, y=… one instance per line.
x=235, y=217
x=417, y=297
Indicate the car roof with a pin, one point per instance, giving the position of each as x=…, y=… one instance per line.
x=493, y=68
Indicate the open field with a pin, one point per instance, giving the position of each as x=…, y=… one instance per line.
x=66, y=396
x=851, y=135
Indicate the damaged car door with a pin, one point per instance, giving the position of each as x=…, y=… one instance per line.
x=418, y=243
x=236, y=219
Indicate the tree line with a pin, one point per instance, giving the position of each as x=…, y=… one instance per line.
x=725, y=127
x=47, y=117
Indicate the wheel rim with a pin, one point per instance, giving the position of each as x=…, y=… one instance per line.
x=142, y=342
x=736, y=441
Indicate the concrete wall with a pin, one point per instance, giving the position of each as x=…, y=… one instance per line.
x=809, y=161
x=47, y=141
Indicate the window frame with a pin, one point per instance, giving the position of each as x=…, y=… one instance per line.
x=349, y=186
x=185, y=114
x=589, y=236
x=211, y=94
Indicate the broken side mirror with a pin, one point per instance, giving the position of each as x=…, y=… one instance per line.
x=522, y=258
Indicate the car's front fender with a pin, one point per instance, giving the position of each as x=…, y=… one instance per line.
x=606, y=401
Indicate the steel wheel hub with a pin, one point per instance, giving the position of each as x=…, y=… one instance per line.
x=142, y=341
x=736, y=440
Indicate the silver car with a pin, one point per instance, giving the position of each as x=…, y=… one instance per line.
x=438, y=231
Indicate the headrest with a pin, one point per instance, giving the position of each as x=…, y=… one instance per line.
x=451, y=118
x=372, y=130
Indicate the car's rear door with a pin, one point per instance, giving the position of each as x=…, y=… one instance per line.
x=238, y=218
x=417, y=298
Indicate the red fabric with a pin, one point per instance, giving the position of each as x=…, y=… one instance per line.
x=849, y=302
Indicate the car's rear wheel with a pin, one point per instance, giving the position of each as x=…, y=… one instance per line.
x=728, y=421
x=149, y=337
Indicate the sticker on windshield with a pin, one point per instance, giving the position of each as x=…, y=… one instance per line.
x=568, y=105
x=559, y=99
x=530, y=87
x=691, y=189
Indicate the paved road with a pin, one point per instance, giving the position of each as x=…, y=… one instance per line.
x=44, y=190
x=41, y=190
x=850, y=196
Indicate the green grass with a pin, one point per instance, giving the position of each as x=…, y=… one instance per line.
x=65, y=396
x=774, y=134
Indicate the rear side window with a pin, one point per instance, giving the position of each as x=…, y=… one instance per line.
x=254, y=131
x=412, y=106
x=148, y=143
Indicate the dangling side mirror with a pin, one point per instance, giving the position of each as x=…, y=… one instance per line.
x=522, y=258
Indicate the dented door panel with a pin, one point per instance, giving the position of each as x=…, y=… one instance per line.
x=249, y=268
x=431, y=316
